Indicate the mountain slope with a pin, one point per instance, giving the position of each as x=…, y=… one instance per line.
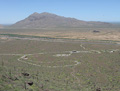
x=48, y=20
x=1, y=26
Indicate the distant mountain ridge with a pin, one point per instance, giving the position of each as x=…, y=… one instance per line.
x=49, y=20
x=1, y=26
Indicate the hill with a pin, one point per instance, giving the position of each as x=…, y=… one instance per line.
x=48, y=20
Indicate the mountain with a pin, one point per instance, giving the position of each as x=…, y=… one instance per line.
x=48, y=20
x=1, y=26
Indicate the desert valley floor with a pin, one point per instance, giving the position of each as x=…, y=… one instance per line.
x=45, y=64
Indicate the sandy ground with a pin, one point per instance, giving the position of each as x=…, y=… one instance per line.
x=82, y=33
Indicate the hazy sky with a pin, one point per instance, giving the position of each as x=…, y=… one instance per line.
x=12, y=11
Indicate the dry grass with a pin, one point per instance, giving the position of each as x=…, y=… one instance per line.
x=77, y=33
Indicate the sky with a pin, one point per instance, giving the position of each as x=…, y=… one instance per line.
x=12, y=11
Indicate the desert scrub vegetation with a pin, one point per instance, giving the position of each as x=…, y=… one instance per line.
x=93, y=67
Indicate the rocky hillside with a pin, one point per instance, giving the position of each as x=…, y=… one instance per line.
x=48, y=20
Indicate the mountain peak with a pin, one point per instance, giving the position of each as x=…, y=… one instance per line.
x=42, y=14
x=49, y=20
x=35, y=13
x=45, y=13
